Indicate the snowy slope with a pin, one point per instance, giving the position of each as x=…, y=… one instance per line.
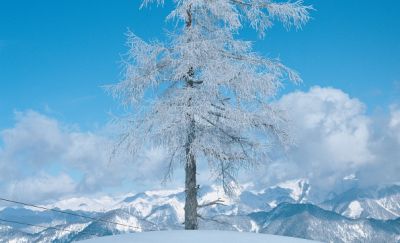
x=296, y=220
x=7, y=234
x=197, y=237
x=44, y=218
x=145, y=202
x=100, y=204
x=311, y=222
x=282, y=209
x=375, y=202
x=293, y=191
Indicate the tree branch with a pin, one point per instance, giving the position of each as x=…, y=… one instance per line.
x=219, y=201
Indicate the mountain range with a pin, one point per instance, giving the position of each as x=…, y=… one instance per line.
x=357, y=215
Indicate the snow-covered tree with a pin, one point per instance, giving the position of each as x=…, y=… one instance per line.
x=205, y=95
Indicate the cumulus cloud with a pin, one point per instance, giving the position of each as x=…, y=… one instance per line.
x=331, y=122
x=41, y=187
x=334, y=139
x=331, y=133
x=35, y=140
x=42, y=159
x=30, y=147
x=385, y=145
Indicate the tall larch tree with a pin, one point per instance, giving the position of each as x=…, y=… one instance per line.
x=211, y=94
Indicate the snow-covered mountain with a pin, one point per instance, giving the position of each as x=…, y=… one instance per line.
x=100, y=204
x=374, y=202
x=8, y=234
x=293, y=191
x=44, y=218
x=282, y=209
x=311, y=222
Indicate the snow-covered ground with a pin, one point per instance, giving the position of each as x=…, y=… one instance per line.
x=198, y=236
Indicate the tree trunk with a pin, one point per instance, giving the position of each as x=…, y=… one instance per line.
x=190, y=166
x=190, y=180
x=190, y=185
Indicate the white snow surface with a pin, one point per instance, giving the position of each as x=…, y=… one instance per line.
x=354, y=210
x=100, y=204
x=197, y=236
x=295, y=186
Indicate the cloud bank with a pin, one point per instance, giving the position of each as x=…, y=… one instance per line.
x=337, y=140
x=42, y=159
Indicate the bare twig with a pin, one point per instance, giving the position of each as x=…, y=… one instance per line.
x=219, y=201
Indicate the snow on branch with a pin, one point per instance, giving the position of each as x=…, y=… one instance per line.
x=218, y=201
x=147, y=2
x=206, y=82
x=260, y=13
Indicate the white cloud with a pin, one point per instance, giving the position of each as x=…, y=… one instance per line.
x=394, y=122
x=386, y=147
x=35, y=140
x=39, y=152
x=41, y=187
x=332, y=135
x=49, y=160
x=335, y=138
x=330, y=122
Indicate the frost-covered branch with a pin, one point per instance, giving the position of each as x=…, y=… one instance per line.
x=206, y=82
x=218, y=201
x=259, y=13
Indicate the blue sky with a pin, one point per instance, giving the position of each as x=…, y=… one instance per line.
x=55, y=56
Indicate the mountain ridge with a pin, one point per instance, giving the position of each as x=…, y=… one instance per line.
x=281, y=209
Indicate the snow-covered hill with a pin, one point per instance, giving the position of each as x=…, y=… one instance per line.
x=197, y=237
